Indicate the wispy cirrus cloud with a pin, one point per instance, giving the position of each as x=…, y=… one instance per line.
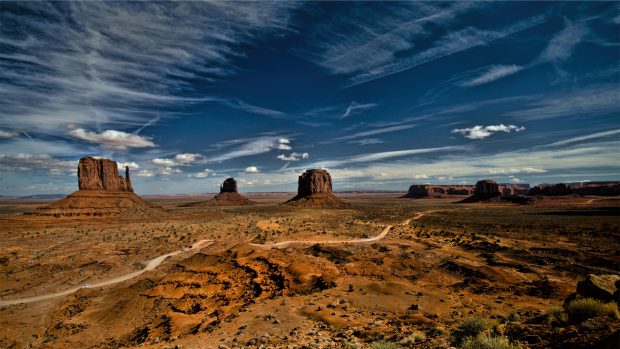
x=369, y=46
x=561, y=45
x=376, y=131
x=482, y=132
x=492, y=73
x=355, y=108
x=588, y=137
x=62, y=63
x=250, y=146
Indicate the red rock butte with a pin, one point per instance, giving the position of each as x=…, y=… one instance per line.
x=228, y=196
x=315, y=190
x=102, y=192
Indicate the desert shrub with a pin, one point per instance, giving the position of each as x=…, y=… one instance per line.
x=415, y=337
x=556, y=315
x=513, y=316
x=488, y=341
x=436, y=331
x=471, y=327
x=580, y=310
x=383, y=345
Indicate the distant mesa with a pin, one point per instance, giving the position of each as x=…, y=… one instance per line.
x=558, y=189
x=315, y=190
x=419, y=191
x=488, y=190
x=102, y=192
x=228, y=196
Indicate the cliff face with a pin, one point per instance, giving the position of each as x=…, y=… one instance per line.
x=315, y=190
x=102, y=174
x=437, y=191
x=314, y=182
x=486, y=188
x=229, y=186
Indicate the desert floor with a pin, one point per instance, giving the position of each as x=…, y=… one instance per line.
x=383, y=270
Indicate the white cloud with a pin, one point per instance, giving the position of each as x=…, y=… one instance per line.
x=179, y=160
x=482, y=132
x=355, y=108
x=202, y=174
x=8, y=134
x=132, y=165
x=113, y=140
x=492, y=73
x=251, y=169
x=293, y=156
x=187, y=158
x=145, y=173
x=25, y=162
x=164, y=162
x=166, y=171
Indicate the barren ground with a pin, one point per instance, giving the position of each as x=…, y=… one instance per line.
x=437, y=264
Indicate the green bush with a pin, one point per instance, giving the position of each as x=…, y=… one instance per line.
x=415, y=337
x=471, y=327
x=556, y=315
x=488, y=341
x=580, y=310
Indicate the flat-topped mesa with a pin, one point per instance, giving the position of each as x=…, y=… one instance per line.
x=558, y=189
x=102, y=174
x=315, y=190
x=229, y=186
x=102, y=192
x=486, y=188
x=418, y=191
x=315, y=182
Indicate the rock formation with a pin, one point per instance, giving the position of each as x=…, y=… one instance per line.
x=486, y=188
x=229, y=186
x=551, y=190
x=437, y=191
x=228, y=196
x=315, y=190
x=102, y=192
x=102, y=174
x=489, y=191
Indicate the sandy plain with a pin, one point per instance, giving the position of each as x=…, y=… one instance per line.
x=380, y=271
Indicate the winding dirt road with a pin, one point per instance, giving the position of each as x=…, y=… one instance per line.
x=155, y=262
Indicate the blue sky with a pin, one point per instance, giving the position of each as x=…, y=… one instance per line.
x=383, y=95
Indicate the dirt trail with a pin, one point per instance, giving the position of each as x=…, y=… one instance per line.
x=155, y=262
x=384, y=232
x=152, y=264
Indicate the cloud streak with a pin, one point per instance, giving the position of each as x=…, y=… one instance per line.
x=482, y=132
x=113, y=140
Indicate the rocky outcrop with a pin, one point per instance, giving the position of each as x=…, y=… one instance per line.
x=559, y=189
x=603, y=287
x=486, y=188
x=489, y=191
x=102, y=174
x=102, y=192
x=598, y=190
x=437, y=191
x=315, y=190
x=228, y=196
x=229, y=186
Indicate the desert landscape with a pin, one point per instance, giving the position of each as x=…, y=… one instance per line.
x=375, y=271
x=229, y=174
